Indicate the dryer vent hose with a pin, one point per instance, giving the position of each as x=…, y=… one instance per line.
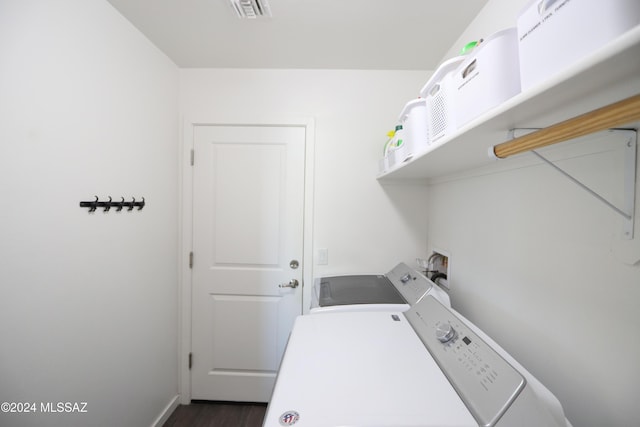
x=437, y=276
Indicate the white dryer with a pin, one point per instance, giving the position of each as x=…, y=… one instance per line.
x=426, y=367
x=398, y=290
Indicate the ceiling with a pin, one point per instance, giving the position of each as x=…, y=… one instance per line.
x=329, y=34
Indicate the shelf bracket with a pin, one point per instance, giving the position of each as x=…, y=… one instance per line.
x=608, y=117
x=628, y=211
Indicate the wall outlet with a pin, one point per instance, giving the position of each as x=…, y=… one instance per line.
x=322, y=256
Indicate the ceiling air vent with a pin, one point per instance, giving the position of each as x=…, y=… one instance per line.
x=251, y=9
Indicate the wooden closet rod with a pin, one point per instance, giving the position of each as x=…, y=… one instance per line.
x=610, y=116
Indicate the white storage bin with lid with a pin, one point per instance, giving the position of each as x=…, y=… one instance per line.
x=439, y=96
x=414, y=124
x=488, y=76
x=554, y=34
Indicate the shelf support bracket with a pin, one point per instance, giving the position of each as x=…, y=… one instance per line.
x=608, y=117
x=628, y=211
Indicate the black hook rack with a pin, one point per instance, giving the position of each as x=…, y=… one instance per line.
x=106, y=205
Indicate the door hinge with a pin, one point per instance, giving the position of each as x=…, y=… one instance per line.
x=193, y=155
x=190, y=259
x=190, y=360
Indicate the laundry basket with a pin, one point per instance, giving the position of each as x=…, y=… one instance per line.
x=488, y=76
x=439, y=94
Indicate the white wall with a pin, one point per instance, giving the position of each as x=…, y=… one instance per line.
x=540, y=265
x=365, y=227
x=88, y=311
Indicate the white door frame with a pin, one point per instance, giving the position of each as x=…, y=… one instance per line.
x=186, y=229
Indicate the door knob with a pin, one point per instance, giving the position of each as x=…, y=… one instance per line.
x=293, y=283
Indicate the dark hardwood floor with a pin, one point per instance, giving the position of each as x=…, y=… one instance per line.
x=218, y=414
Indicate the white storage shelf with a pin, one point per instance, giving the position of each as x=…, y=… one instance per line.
x=608, y=75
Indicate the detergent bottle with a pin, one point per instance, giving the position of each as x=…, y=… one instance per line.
x=387, y=145
x=393, y=146
x=399, y=136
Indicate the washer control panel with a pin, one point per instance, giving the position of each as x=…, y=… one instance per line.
x=411, y=285
x=486, y=382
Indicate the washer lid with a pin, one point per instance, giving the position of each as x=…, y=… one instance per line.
x=362, y=369
x=358, y=289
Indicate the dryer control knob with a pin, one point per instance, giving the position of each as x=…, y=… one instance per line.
x=445, y=332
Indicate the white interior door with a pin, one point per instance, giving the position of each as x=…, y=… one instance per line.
x=248, y=207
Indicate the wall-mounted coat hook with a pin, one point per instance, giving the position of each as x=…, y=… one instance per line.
x=108, y=204
x=119, y=205
x=93, y=205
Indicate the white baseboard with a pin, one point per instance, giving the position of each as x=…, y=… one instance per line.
x=166, y=412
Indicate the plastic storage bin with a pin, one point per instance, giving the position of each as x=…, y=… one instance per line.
x=439, y=94
x=554, y=34
x=414, y=124
x=488, y=76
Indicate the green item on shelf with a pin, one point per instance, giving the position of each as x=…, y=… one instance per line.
x=468, y=47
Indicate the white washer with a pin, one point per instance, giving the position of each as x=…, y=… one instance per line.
x=425, y=367
x=398, y=290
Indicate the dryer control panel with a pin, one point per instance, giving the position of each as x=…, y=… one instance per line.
x=411, y=285
x=486, y=382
